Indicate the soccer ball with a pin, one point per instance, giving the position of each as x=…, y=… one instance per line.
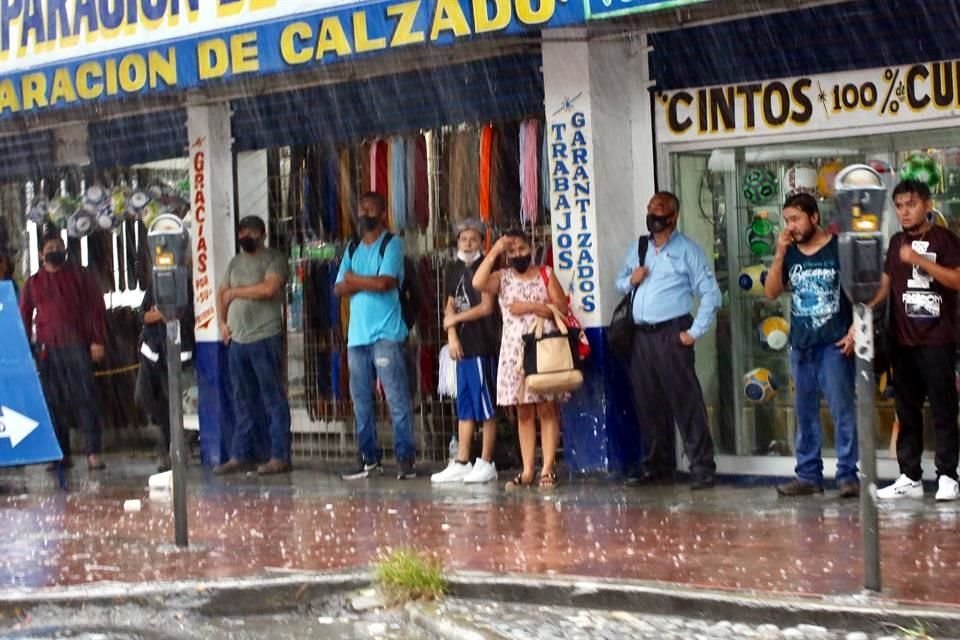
x=759, y=186
x=773, y=332
x=81, y=223
x=761, y=236
x=799, y=179
x=137, y=204
x=759, y=385
x=922, y=168
x=752, y=279
x=826, y=178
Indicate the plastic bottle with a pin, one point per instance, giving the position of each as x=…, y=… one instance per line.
x=454, y=447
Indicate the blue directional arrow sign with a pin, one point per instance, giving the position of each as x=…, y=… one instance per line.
x=26, y=431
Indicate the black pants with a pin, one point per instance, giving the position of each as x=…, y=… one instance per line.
x=926, y=373
x=66, y=374
x=152, y=396
x=666, y=392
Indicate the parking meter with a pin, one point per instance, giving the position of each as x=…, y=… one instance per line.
x=861, y=198
x=169, y=244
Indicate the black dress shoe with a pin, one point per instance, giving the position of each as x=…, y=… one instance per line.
x=649, y=478
x=700, y=482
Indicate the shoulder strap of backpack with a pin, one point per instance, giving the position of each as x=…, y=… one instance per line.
x=387, y=237
x=352, y=248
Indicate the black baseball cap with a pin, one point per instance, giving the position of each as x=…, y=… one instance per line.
x=253, y=223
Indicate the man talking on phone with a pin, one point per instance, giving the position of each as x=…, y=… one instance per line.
x=821, y=343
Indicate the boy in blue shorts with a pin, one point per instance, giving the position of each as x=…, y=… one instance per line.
x=473, y=336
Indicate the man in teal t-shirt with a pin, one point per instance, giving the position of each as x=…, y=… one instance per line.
x=371, y=274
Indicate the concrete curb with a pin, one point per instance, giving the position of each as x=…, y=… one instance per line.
x=272, y=594
x=264, y=594
x=857, y=612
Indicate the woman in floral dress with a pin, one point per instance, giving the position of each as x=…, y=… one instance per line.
x=523, y=297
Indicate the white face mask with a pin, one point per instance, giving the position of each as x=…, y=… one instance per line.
x=468, y=258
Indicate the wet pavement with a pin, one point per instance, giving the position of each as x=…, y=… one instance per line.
x=529, y=622
x=734, y=537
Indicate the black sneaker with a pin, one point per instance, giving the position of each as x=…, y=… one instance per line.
x=362, y=470
x=405, y=470
x=798, y=487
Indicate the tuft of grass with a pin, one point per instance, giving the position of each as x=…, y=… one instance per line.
x=405, y=575
x=917, y=632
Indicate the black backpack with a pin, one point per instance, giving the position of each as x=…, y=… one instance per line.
x=409, y=290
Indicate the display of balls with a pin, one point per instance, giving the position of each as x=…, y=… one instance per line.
x=826, y=178
x=799, y=179
x=759, y=385
x=922, y=168
x=752, y=279
x=774, y=333
x=761, y=236
x=759, y=186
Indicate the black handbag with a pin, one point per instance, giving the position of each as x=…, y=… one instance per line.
x=621, y=329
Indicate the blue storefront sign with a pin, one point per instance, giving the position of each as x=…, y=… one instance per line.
x=598, y=9
x=173, y=45
x=26, y=431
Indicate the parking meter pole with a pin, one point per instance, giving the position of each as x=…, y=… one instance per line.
x=176, y=434
x=861, y=198
x=869, y=519
x=168, y=240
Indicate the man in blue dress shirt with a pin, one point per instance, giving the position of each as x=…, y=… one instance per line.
x=666, y=390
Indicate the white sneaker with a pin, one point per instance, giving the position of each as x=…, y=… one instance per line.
x=949, y=489
x=904, y=487
x=455, y=472
x=483, y=471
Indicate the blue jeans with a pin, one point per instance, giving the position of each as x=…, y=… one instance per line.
x=256, y=376
x=386, y=360
x=824, y=369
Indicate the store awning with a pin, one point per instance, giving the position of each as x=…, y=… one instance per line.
x=823, y=39
x=486, y=90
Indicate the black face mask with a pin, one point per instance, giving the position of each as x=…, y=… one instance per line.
x=656, y=224
x=56, y=258
x=248, y=244
x=520, y=264
x=368, y=224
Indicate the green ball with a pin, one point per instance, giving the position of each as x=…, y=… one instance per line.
x=759, y=186
x=922, y=168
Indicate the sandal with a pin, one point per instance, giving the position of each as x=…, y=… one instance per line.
x=518, y=482
x=548, y=480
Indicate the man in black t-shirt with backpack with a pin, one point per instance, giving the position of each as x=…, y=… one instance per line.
x=474, y=341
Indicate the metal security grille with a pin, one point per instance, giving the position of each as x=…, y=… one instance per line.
x=318, y=388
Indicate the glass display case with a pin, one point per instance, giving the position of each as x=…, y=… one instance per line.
x=731, y=201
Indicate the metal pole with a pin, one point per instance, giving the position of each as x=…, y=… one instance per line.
x=176, y=434
x=869, y=520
